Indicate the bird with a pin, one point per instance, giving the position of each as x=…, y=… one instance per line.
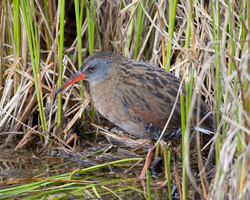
x=136, y=96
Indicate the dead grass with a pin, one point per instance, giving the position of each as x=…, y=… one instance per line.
x=114, y=32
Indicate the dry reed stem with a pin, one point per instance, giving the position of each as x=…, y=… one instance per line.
x=18, y=105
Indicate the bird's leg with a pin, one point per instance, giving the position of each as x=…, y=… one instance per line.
x=147, y=165
x=148, y=161
x=162, y=143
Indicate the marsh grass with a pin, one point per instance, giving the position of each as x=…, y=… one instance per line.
x=35, y=60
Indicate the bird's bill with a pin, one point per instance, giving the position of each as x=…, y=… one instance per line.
x=73, y=79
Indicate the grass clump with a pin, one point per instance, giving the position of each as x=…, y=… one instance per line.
x=206, y=44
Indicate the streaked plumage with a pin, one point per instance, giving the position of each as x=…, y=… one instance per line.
x=136, y=96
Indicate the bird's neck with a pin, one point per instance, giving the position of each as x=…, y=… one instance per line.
x=98, y=89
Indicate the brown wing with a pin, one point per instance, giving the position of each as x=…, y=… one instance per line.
x=149, y=94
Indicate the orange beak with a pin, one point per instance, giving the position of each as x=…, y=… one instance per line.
x=73, y=79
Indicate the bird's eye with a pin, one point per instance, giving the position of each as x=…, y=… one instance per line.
x=92, y=68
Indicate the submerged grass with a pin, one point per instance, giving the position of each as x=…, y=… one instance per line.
x=75, y=183
x=60, y=185
x=215, y=63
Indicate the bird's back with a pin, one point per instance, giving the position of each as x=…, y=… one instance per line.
x=142, y=97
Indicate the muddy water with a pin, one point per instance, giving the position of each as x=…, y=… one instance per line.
x=17, y=167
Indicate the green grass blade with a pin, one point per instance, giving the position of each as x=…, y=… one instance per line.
x=34, y=55
x=60, y=55
x=171, y=24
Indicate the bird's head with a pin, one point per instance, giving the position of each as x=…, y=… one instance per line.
x=94, y=69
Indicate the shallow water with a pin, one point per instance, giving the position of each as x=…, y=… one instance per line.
x=110, y=182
